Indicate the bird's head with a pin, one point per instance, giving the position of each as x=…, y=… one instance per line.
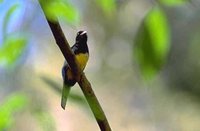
x=81, y=36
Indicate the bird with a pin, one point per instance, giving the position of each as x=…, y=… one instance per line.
x=81, y=52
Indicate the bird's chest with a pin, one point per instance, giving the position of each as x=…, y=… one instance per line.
x=82, y=59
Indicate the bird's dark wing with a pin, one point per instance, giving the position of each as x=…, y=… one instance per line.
x=74, y=48
x=64, y=69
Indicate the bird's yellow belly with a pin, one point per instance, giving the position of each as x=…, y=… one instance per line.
x=82, y=59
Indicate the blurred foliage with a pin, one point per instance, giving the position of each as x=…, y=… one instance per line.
x=152, y=42
x=108, y=6
x=11, y=105
x=7, y=18
x=111, y=36
x=13, y=45
x=173, y=2
x=11, y=50
x=61, y=9
x=45, y=120
x=39, y=111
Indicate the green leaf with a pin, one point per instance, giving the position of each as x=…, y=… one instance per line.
x=63, y=10
x=152, y=42
x=8, y=15
x=11, y=50
x=108, y=6
x=11, y=105
x=173, y=2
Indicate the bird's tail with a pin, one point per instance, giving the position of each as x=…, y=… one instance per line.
x=65, y=95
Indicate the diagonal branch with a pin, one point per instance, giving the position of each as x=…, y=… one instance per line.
x=83, y=82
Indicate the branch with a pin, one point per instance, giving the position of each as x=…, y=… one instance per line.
x=85, y=85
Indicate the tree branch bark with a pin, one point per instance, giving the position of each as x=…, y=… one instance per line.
x=83, y=82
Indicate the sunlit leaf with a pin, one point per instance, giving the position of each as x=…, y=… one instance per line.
x=173, y=2
x=152, y=42
x=108, y=6
x=8, y=15
x=11, y=50
x=63, y=10
x=11, y=105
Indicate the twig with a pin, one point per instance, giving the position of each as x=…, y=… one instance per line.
x=85, y=85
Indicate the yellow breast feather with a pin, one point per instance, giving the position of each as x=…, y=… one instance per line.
x=82, y=59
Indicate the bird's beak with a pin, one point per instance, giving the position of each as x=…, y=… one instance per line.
x=84, y=32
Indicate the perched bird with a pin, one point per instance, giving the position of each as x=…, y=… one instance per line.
x=81, y=52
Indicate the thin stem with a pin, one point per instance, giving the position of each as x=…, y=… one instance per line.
x=94, y=103
x=85, y=85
